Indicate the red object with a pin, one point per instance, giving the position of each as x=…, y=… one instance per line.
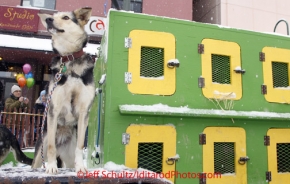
x=21, y=19
x=21, y=81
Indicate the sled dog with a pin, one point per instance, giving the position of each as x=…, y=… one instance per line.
x=72, y=97
x=9, y=142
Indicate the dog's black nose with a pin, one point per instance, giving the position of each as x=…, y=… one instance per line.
x=49, y=20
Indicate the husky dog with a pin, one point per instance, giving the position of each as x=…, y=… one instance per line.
x=9, y=142
x=71, y=99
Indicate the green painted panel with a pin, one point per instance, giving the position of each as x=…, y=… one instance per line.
x=114, y=63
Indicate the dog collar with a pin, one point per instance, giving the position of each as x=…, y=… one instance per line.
x=72, y=56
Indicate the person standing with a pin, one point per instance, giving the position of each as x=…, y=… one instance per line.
x=39, y=108
x=16, y=101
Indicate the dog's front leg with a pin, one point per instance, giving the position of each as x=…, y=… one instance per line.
x=51, y=149
x=82, y=125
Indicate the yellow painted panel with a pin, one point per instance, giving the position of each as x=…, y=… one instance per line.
x=280, y=95
x=277, y=136
x=165, y=134
x=221, y=91
x=147, y=85
x=225, y=134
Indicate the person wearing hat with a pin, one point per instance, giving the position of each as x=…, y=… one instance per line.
x=16, y=100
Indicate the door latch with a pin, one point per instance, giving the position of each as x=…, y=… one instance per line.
x=243, y=160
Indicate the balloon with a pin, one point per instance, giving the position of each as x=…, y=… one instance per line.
x=26, y=68
x=30, y=82
x=21, y=81
x=19, y=75
x=29, y=75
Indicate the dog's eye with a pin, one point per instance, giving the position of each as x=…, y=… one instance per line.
x=65, y=18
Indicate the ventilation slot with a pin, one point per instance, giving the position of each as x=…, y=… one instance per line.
x=221, y=69
x=224, y=157
x=150, y=156
x=283, y=157
x=152, y=62
x=280, y=74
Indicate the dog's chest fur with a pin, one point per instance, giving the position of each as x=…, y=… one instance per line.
x=77, y=85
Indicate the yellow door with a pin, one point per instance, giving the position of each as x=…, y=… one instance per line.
x=279, y=155
x=150, y=146
x=147, y=62
x=221, y=154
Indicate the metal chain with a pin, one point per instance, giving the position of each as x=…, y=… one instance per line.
x=57, y=78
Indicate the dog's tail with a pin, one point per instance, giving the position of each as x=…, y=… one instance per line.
x=17, y=152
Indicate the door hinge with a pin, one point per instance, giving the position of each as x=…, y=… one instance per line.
x=268, y=176
x=262, y=56
x=264, y=89
x=128, y=42
x=128, y=77
x=202, y=139
x=267, y=140
x=202, y=178
x=200, y=82
x=200, y=48
x=125, y=138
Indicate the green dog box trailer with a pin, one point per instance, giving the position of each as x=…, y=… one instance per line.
x=194, y=102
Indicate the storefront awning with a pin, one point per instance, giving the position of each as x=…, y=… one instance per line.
x=39, y=44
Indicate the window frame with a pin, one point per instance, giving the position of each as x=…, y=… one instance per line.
x=132, y=3
x=45, y=3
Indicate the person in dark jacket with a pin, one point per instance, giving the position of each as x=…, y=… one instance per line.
x=16, y=101
x=40, y=102
x=39, y=108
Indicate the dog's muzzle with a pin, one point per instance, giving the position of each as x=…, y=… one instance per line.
x=50, y=27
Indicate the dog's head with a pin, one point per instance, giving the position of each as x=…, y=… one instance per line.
x=67, y=29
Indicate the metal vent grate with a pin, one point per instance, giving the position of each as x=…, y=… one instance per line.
x=221, y=69
x=150, y=156
x=283, y=157
x=280, y=74
x=152, y=62
x=224, y=157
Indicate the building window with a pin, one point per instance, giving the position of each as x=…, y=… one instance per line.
x=46, y=4
x=135, y=5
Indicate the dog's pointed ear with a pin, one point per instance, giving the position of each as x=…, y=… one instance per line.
x=43, y=17
x=83, y=15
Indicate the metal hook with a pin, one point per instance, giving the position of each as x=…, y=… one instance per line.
x=243, y=160
x=285, y=23
x=97, y=157
x=171, y=161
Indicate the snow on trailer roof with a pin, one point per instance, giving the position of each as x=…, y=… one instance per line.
x=37, y=44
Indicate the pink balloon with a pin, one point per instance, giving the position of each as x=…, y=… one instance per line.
x=26, y=68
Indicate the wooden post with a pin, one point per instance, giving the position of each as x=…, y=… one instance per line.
x=32, y=129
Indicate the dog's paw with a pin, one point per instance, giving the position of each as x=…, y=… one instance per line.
x=80, y=168
x=79, y=163
x=51, y=168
